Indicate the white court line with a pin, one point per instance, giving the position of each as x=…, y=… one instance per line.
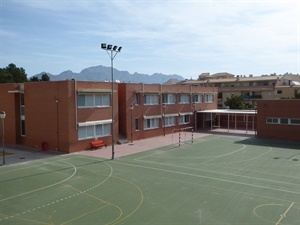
x=223, y=173
x=173, y=149
x=217, y=179
x=51, y=185
x=66, y=198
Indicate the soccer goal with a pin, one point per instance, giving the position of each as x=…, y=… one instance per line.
x=182, y=136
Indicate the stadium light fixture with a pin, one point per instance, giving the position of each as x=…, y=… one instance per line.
x=112, y=51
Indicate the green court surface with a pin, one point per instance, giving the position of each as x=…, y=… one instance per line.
x=217, y=180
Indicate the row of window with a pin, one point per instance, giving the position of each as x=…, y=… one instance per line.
x=103, y=100
x=102, y=130
x=153, y=99
x=286, y=121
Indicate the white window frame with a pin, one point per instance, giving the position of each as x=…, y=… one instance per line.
x=151, y=99
x=92, y=131
x=184, y=98
x=169, y=98
x=152, y=123
x=209, y=98
x=184, y=119
x=197, y=98
x=91, y=100
x=169, y=121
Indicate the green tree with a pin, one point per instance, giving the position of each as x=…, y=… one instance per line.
x=6, y=77
x=13, y=74
x=34, y=79
x=45, y=77
x=235, y=102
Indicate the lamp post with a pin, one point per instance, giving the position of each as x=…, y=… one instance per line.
x=164, y=117
x=255, y=124
x=131, y=109
x=112, y=51
x=2, y=116
x=195, y=121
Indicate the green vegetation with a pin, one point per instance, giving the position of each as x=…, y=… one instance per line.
x=237, y=102
x=14, y=74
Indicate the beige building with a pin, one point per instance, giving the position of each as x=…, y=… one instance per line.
x=250, y=88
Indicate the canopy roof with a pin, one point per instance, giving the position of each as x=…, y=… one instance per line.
x=228, y=111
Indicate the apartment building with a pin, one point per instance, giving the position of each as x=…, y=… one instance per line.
x=67, y=115
x=278, y=119
x=250, y=88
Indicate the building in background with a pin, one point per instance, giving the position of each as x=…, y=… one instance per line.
x=250, y=88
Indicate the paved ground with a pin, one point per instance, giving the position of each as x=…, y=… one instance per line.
x=18, y=154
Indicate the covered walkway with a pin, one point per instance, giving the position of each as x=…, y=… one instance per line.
x=214, y=118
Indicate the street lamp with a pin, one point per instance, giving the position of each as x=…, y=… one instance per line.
x=112, y=51
x=164, y=117
x=2, y=116
x=195, y=113
x=131, y=109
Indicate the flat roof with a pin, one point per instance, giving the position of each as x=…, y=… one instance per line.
x=228, y=111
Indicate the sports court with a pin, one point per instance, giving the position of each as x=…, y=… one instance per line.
x=217, y=179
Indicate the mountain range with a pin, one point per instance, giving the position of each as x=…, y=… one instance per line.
x=103, y=74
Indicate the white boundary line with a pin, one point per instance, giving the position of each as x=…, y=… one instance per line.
x=217, y=179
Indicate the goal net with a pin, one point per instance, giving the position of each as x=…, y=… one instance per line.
x=182, y=136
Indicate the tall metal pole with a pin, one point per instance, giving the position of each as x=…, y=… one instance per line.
x=164, y=117
x=2, y=116
x=131, y=108
x=112, y=107
x=112, y=51
x=3, y=149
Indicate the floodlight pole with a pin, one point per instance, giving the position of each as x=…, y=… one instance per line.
x=2, y=116
x=112, y=51
x=164, y=118
x=131, y=109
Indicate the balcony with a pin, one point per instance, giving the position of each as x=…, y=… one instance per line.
x=256, y=96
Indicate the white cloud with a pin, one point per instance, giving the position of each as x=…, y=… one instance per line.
x=180, y=36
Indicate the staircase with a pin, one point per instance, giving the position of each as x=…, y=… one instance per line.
x=122, y=139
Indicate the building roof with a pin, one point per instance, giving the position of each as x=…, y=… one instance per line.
x=235, y=79
x=228, y=111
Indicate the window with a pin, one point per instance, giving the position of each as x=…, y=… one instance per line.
x=286, y=121
x=184, y=98
x=93, y=100
x=137, y=124
x=279, y=92
x=92, y=131
x=137, y=98
x=197, y=98
x=183, y=119
x=209, y=98
x=272, y=120
x=169, y=98
x=169, y=121
x=151, y=100
x=151, y=123
x=295, y=121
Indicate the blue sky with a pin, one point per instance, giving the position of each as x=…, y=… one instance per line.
x=181, y=37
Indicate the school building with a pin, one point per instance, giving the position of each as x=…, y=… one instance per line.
x=68, y=115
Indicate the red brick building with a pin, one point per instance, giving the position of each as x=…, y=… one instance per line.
x=278, y=119
x=68, y=115
x=161, y=109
